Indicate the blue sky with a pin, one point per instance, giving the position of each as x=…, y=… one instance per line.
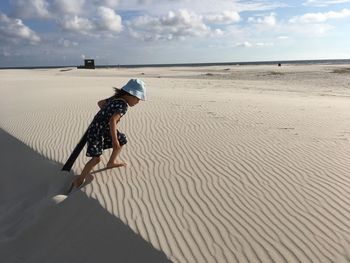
x=63, y=32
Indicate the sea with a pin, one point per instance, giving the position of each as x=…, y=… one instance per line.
x=276, y=62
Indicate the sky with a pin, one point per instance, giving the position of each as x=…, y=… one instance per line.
x=64, y=32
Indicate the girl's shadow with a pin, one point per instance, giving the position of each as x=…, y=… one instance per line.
x=101, y=170
x=107, y=168
x=88, y=179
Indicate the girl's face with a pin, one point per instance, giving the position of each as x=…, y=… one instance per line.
x=132, y=100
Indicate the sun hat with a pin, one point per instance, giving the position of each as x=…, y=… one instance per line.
x=136, y=87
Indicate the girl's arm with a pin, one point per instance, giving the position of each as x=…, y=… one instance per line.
x=113, y=129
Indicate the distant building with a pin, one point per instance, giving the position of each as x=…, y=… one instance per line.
x=88, y=63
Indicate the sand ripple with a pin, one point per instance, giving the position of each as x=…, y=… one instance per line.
x=230, y=177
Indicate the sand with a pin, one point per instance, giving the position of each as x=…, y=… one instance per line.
x=225, y=164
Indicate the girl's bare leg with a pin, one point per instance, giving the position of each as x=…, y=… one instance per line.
x=113, y=162
x=87, y=169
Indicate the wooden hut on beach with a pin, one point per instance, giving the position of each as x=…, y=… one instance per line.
x=88, y=63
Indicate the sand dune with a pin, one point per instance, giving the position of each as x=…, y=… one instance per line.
x=230, y=167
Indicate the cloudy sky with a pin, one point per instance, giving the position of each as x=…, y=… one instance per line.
x=63, y=32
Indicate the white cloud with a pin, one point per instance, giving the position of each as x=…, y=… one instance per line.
x=76, y=24
x=244, y=44
x=218, y=32
x=320, y=17
x=78, y=16
x=321, y=3
x=269, y=20
x=31, y=8
x=106, y=21
x=203, y=7
x=13, y=30
x=247, y=44
x=108, y=3
x=67, y=6
x=176, y=25
x=98, y=17
x=109, y=20
x=264, y=44
x=57, y=8
x=226, y=17
x=259, y=5
x=309, y=30
x=67, y=43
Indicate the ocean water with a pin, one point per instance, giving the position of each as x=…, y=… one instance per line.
x=295, y=62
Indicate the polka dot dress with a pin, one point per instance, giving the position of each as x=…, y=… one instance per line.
x=99, y=135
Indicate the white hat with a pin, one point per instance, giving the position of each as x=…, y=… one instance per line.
x=136, y=87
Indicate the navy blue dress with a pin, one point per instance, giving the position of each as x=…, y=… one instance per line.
x=99, y=134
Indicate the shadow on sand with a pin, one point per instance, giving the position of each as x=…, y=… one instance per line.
x=36, y=227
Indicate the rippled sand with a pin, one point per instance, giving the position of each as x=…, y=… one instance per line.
x=225, y=164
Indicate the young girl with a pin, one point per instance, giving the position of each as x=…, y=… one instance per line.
x=103, y=133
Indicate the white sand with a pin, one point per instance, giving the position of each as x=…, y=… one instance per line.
x=225, y=164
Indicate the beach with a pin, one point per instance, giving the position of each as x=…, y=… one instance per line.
x=224, y=164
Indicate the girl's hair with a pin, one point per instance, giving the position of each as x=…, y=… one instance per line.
x=118, y=93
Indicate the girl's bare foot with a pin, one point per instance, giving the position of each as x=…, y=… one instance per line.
x=115, y=164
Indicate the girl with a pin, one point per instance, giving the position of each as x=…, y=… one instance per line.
x=103, y=133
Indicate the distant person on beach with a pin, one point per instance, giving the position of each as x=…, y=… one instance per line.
x=103, y=133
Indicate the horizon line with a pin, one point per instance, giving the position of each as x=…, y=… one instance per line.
x=199, y=64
